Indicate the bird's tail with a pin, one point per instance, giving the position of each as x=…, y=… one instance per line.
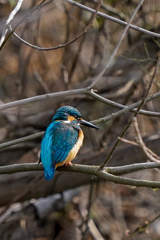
x=49, y=173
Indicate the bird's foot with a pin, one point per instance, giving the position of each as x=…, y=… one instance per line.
x=69, y=163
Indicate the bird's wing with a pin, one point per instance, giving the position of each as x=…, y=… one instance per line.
x=57, y=142
x=63, y=140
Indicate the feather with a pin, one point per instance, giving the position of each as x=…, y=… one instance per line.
x=58, y=140
x=49, y=173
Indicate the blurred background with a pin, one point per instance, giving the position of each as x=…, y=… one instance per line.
x=73, y=205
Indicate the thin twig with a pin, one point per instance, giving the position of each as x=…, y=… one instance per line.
x=20, y=140
x=65, y=93
x=86, y=221
x=65, y=44
x=136, y=113
x=139, y=29
x=142, y=228
x=150, y=155
x=118, y=45
x=10, y=34
x=10, y=18
x=128, y=141
x=121, y=106
x=137, y=144
x=94, y=231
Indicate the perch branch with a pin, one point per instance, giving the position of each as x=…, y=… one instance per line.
x=89, y=170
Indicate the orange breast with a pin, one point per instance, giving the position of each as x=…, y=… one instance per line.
x=72, y=154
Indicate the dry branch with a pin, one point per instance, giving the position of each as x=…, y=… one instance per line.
x=65, y=44
x=139, y=29
x=74, y=92
x=150, y=155
x=117, y=46
x=14, y=184
x=135, y=114
x=10, y=18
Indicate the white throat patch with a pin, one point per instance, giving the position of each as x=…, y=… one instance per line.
x=67, y=121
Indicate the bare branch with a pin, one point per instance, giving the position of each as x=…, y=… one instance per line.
x=121, y=106
x=140, y=143
x=65, y=44
x=131, y=168
x=42, y=97
x=10, y=18
x=82, y=91
x=128, y=141
x=150, y=155
x=118, y=45
x=150, y=33
x=89, y=170
x=10, y=34
x=20, y=140
x=66, y=93
x=136, y=113
x=141, y=229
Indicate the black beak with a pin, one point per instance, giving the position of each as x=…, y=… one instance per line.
x=88, y=124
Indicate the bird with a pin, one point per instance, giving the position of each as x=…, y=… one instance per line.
x=62, y=139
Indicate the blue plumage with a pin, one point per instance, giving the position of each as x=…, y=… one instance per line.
x=57, y=142
x=62, y=139
x=62, y=113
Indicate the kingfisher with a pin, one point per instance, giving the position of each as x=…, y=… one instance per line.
x=62, y=139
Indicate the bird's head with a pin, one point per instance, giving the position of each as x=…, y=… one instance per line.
x=69, y=114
